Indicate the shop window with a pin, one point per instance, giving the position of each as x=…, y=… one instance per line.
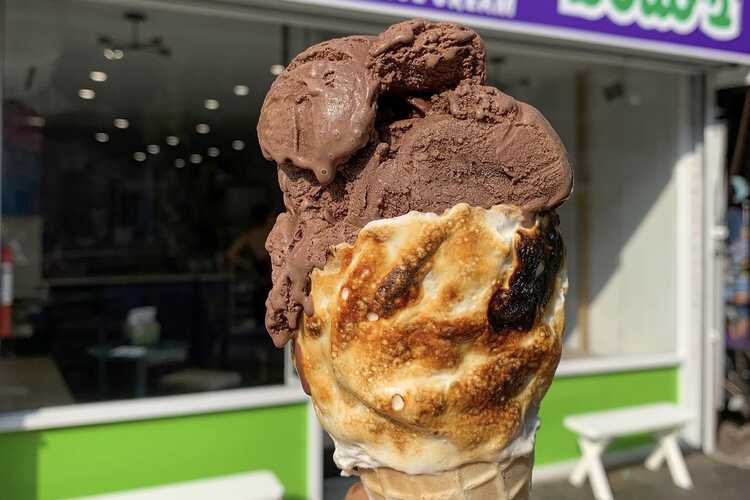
x=621, y=129
x=135, y=202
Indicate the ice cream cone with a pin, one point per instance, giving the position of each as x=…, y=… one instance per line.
x=508, y=480
x=423, y=284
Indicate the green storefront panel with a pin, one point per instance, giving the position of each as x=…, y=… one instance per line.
x=77, y=461
x=88, y=460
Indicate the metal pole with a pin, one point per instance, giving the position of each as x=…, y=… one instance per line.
x=3, y=31
x=738, y=156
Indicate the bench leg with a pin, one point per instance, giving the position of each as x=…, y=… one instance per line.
x=578, y=476
x=671, y=450
x=591, y=466
x=656, y=458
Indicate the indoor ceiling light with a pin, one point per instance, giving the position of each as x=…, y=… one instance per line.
x=195, y=158
x=36, y=121
x=173, y=140
x=241, y=90
x=213, y=152
x=86, y=94
x=211, y=104
x=238, y=145
x=98, y=76
x=139, y=156
x=152, y=149
x=277, y=69
x=136, y=43
x=121, y=123
x=101, y=136
x=202, y=128
x=114, y=54
x=179, y=163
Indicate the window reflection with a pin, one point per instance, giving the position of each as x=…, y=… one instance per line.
x=135, y=203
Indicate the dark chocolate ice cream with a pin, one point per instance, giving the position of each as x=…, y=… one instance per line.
x=370, y=128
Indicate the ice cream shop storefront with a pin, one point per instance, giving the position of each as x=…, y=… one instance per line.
x=136, y=203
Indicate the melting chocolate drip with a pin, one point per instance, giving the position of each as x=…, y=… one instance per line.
x=401, y=34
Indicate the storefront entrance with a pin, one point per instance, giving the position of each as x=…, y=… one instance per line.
x=135, y=205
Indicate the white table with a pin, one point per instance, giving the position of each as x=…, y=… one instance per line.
x=596, y=430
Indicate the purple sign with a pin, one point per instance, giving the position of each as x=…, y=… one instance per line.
x=707, y=29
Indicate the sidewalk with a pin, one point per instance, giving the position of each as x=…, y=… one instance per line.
x=713, y=481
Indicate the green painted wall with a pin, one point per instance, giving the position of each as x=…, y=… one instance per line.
x=80, y=461
x=61, y=463
x=570, y=395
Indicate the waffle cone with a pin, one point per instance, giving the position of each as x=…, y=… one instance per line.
x=508, y=480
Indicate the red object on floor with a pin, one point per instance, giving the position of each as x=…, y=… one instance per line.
x=6, y=292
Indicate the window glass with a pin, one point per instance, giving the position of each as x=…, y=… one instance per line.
x=620, y=223
x=135, y=202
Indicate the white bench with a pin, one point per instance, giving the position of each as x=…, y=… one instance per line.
x=258, y=485
x=596, y=430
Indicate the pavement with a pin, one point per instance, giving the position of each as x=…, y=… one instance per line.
x=713, y=481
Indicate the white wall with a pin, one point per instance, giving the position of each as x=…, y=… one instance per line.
x=632, y=200
x=631, y=197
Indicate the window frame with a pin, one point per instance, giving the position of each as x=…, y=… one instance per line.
x=105, y=412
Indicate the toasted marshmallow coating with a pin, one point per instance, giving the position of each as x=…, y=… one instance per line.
x=434, y=337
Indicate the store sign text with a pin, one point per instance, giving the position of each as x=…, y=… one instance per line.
x=718, y=19
x=714, y=30
x=496, y=8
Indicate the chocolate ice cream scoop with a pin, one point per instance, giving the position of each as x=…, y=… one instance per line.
x=420, y=56
x=372, y=128
x=321, y=109
x=487, y=148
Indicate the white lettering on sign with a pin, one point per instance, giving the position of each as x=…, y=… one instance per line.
x=718, y=19
x=498, y=8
